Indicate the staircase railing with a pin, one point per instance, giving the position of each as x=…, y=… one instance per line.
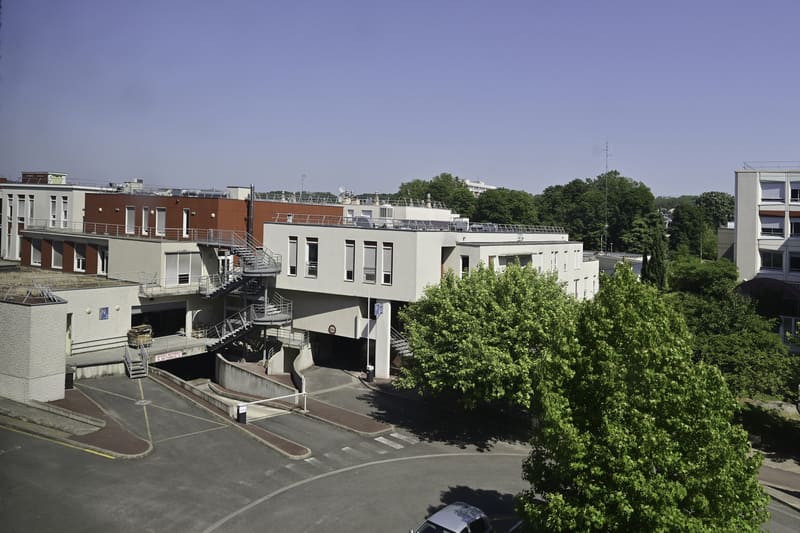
x=233, y=323
x=400, y=343
x=278, y=305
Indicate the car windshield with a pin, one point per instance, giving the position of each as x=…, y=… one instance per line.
x=429, y=527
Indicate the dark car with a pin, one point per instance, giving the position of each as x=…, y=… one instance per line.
x=458, y=517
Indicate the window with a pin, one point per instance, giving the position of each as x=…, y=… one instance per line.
x=186, y=215
x=80, y=257
x=130, y=220
x=145, y=217
x=312, y=257
x=794, y=227
x=58, y=255
x=292, y=256
x=772, y=226
x=161, y=221
x=386, y=212
x=21, y=208
x=102, y=260
x=370, y=261
x=30, y=209
x=388, y=249
x=464, y=265
x=53, y=212
x=771, y=260
x=795, y=188
x=64, y=211
x=10, y=207
x=349, y=260
x=794, y=262
x=773, y=191
x=182, y=269
x=36, y=252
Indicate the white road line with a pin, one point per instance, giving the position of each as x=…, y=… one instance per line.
x=390, y=443
x=313, y=461
x=372, y=448
x=356, y=453
x=405, y=438
x=336, y=458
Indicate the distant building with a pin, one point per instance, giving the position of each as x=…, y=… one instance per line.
x=478, y=187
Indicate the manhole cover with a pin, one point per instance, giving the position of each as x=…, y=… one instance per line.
x=142, y=402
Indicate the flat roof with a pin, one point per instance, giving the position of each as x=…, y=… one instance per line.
x=22, y=285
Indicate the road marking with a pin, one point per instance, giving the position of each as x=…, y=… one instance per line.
x=189, y=434
x=12, y=449
x=146, y=417
x=405, y=438
x=317, y=463
x=216, y=525
x=390, y=443
x=336, y=458
x=372, y=449
x=60, y=443
x=358, y=454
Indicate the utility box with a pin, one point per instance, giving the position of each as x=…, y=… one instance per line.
x=140, y=336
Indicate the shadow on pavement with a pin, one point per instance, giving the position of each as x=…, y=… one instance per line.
x=434, y=420
x=498, y=506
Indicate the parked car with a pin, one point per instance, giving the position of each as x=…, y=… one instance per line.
x=458, y=517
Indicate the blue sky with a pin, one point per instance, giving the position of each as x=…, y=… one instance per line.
x=367, y=95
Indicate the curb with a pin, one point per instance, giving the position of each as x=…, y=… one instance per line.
x=776, y=492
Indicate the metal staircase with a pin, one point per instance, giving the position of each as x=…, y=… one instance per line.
x=278, y=312
x=399, y=344
x=136, y=368
x=255, y=259
x=218, y=285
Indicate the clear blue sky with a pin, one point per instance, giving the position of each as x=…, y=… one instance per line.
x=366, y=95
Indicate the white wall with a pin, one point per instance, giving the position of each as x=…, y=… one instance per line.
x=33, y=356
x=89, y=331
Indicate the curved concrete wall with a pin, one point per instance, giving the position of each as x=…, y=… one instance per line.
x=239, y=379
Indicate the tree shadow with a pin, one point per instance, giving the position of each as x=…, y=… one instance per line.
x=771, y=432
x=498, y=506
x=442, y=420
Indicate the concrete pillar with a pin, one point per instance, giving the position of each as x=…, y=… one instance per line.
x=382, y=333
x=187, y=327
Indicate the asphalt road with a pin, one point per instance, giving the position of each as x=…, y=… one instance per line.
x=206, y=475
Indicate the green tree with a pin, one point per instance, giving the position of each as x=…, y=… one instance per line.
x=506, y=206
x=630, y=433
x=717, y=207
x=728, y=332
x=475, y=338
x=585, y=207
x=444, y=188
x=654, y=267
x=687, y=229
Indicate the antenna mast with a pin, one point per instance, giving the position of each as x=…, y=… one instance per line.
x=604, y=237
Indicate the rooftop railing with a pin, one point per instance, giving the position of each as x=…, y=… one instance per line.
x=771, y=165
x=412, y=225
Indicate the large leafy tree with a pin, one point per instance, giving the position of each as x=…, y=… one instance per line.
x=585, y=207
x=632, y=435
x=728, y=332
x=687, y=229
x=654, y=264
x=445, y=188
x=717, y=207
x=475, y=338
x=506, y=206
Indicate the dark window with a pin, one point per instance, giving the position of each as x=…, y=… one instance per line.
x=771, y=260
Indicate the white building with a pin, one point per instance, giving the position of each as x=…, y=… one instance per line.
x=336, y=274
x=768, y=223
x=55, y=204
x=478, y=187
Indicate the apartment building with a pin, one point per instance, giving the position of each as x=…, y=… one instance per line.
x=43, y=199
x=767, y=223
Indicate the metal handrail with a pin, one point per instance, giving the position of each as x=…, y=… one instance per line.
x=411, y=224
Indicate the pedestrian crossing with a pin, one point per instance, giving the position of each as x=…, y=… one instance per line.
x=362, y=452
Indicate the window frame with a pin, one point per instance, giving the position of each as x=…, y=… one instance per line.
x=293, y=244
x=387, y=274
x=350, y=260
x=79, y=257
x=370, y=271
x=57, y=252
x=312, y=250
